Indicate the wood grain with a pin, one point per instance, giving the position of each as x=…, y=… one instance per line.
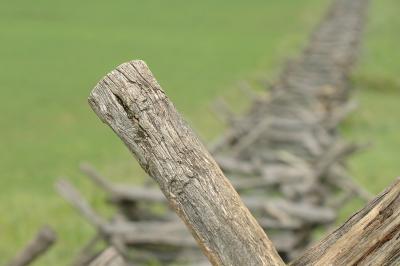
x=369, y=237
x=133, y=104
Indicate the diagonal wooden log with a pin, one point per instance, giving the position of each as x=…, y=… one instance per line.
x=159, y=235
x=70, y=194
x=121, y=192
x=369, y=237
x=109, y=257
x=88, y=252
x=133, y=104
x=44, y=239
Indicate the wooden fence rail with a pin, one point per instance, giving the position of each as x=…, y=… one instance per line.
x=43, y=240
x=370, y=237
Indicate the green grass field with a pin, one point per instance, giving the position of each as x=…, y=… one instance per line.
x=52, y=54
x=377, y=83
x=377, y=88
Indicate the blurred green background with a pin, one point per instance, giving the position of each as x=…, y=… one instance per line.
x=53, y=53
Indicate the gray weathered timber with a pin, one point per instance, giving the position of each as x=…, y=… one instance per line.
x=369, y=237
x=44, y=239
x=109, y=257
x=132, y=103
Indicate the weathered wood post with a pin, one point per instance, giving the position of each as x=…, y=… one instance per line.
x=133, y=104
x=43, y=240
x=109, y=257
x=369, y=237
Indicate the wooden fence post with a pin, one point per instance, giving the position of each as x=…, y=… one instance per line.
x=133, y=104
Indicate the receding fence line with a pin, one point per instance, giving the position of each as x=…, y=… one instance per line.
x=291, y=137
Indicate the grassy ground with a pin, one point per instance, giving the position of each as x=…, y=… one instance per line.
x=53, y=53
x=377, y=88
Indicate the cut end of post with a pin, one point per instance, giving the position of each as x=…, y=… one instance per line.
x=117, y=77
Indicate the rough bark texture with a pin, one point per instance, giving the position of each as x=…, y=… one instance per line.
x=370, y=237
x=132, y=103
x=44, y=239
